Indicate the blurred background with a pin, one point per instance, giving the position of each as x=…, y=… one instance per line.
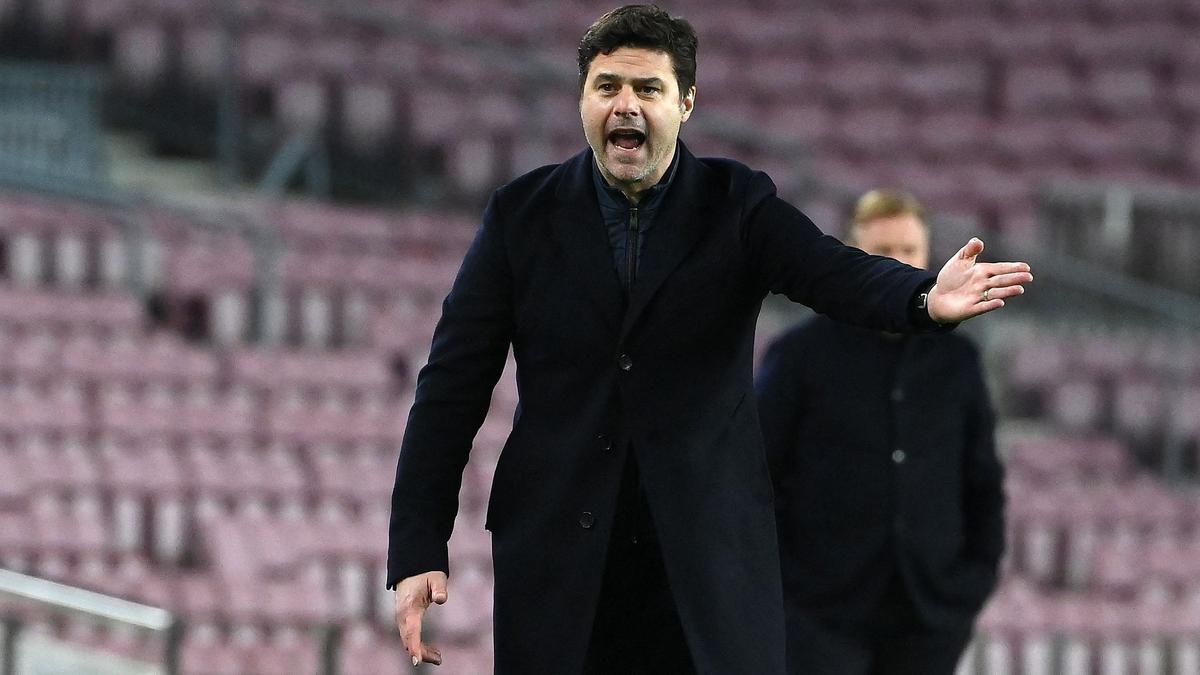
x=226, y=227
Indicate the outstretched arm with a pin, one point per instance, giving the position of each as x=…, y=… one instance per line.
x=788, y=254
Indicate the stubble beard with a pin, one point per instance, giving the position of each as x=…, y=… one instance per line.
x=607, y=165
x=645, y=172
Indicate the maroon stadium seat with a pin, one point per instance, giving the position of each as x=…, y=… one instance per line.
x=140, y=55
x=1040, y=89
x=1123, y=91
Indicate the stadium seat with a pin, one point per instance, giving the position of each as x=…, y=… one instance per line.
x=862, y=82
x=140, y=55
x=301, y=103
x=1025, y=42
x=264, y=54
x=1139, y=406
x=939, y=86
x=287, y=652
x=366, y=652
x=204, y=652
x=948, y=135
x=370, y=115
x=1123, y=91
x=1144, y=41
x=1040, y=90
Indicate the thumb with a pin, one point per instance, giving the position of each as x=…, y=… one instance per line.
x=438, y=590
x=973, y=248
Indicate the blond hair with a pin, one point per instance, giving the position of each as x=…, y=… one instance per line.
x=884, y=203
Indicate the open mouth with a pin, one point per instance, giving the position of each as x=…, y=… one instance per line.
x=627, y=139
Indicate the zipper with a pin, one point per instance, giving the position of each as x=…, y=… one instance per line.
x=631, y=247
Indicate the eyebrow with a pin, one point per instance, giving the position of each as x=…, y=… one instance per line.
x=637, y=81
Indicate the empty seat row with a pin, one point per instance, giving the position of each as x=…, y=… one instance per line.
x=1119, y=90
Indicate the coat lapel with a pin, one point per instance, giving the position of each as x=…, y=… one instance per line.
x=578, y=229
x=680, y=225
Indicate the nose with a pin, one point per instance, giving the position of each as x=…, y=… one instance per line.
x=626, y=102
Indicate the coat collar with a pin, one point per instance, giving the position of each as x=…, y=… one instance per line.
x=578, y=229
x=684, y=216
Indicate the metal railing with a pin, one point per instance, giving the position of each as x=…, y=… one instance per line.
x=1151, y=233
x=41, y=594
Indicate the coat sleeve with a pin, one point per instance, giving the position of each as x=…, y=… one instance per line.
x=790, y=255
x=983, y=475
x=454, y=389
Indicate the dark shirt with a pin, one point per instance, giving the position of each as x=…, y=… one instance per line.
x=622, y=217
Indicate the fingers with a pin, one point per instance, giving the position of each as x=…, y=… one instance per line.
x=410, y=633
x=413, y=596
x=438, y=592
x=430, y=654
x=1005, y=292
x=409, y=620
x=438, y=589
x=1005, y=280
x=973, y=248
x=996, y=268
x=985, y=307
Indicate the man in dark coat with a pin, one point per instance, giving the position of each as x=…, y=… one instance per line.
x=889, y=499
x=631, y=510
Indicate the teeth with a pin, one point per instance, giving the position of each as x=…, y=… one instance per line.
x=636, y=137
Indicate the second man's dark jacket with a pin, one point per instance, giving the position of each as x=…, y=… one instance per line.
x=666, y=375
x=884, y=464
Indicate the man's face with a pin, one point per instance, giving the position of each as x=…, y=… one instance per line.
x=902, y=237
x=632, y=111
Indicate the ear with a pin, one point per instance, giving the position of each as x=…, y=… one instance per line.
x=688, y=104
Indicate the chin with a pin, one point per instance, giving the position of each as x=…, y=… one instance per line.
x=626, y=173
x=629, y=173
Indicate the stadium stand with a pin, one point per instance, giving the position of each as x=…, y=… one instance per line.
x=1034, y=94
x=242, y=484
x=203, y=397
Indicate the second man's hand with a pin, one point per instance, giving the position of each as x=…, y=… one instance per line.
x=966, y=288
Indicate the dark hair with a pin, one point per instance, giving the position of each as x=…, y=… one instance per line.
x=646, y=26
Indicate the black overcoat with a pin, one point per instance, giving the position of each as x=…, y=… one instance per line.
x=666, y=375
x=883, y=460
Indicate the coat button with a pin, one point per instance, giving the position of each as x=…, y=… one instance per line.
x=898, y=456
x=625, y=363
x=586, y=520
x=897, y=395
x=605, y=442
x=898, y=526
